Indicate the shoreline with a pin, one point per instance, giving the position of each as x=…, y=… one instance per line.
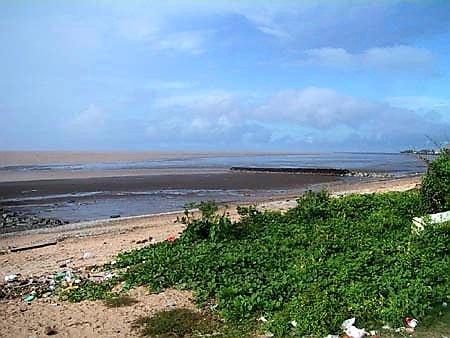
x=74, y=200
x=79, y=250
x=106, y=238
x=274, y=202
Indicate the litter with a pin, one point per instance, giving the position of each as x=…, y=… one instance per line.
x=88, y=255
x=348, y=322
x=262, y=319
x=419, y=223
x=109, y=275
x=171, y=304
x=351, y=330
x=294, y=323
x=411, y=322
x=11, y=278
x=171, y=239
x=354, y=332
x=29, y=298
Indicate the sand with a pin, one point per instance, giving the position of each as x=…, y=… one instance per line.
x=209, y=181
x=105, y=240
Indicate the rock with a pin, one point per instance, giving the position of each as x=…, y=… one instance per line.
x=51, y=330
x=23, y=307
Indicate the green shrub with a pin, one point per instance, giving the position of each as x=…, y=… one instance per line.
x=320, y=263
x=435, y=194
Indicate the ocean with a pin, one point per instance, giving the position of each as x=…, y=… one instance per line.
x=95, y=187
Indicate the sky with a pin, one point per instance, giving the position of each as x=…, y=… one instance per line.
x=224, y=75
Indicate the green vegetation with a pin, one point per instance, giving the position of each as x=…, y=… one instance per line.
x=320, y=263
x=176, y=323
x=435, y=192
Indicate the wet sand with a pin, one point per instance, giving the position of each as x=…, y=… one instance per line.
x=222, y=181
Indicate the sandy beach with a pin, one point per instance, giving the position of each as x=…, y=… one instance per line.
x=79, y=246
x=103, y=240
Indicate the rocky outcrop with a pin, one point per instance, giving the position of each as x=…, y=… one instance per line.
x=314, y=171
x=11, y=221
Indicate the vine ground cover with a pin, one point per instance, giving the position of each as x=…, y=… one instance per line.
x=318, y=264
x=324, y=261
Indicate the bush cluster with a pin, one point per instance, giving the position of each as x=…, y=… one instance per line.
x=435, y=193
x=318, y=264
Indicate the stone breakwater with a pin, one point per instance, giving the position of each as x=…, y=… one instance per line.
x=11, y=221
x=314, y=171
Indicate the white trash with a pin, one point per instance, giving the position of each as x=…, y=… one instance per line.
x=354, y=332
x=351, y=330
x=88, y=255
x=412, y=322
x=11, y=278
x=348, y=322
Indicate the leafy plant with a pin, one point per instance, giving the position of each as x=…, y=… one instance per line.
x=318, y=264
x=435, y=193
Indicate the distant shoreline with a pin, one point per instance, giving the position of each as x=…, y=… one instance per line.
x=11, y=158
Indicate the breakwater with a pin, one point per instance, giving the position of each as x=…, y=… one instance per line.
x=313, y=171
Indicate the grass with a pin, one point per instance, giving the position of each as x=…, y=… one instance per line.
x=176, y=323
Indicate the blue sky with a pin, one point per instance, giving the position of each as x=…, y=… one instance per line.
x=224, y=76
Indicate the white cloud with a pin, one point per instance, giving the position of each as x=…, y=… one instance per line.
x=88, y=122
x=216, y=117
x=403, y=58
x=191, y=42
x=265, y=22
x=157, y=33
x=398, y=56
x=419, y=102
x=323, y=117
x=320, y=108
x=311, y=117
